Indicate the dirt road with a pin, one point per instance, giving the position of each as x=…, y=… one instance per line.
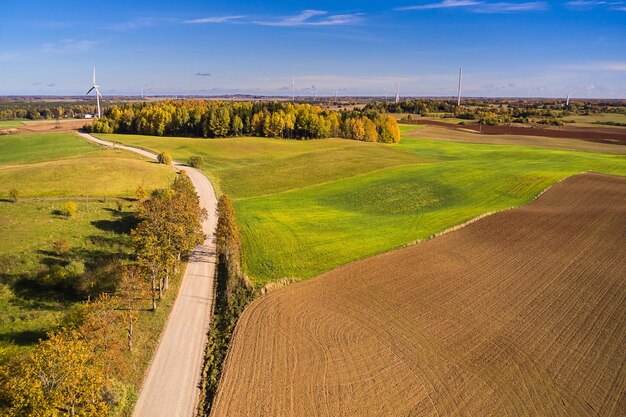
x=171, y=384
x=518, y=314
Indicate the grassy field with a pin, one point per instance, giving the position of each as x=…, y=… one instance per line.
x=28, y=230
x=60, y=167
x=11, y=123
x=64, y=165
x=307, y=207
x=594, y=119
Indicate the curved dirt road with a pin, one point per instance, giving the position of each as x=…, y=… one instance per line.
x=170, y=387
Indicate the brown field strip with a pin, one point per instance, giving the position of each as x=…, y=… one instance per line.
x=522, y=313
x=563, y=139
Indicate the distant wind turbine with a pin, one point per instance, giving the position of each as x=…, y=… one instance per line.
x=458, y=102
x=97, y=89
x=567, y=101
x=314, y=92
x=386, y=94
x=397, y=93
x=293, y=89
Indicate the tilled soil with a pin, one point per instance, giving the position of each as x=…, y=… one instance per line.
x=521, y=313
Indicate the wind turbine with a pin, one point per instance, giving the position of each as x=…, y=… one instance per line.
x=458, y=102
x=567, y=101
x=314, y=92
x=386, y=94
x=293, y=89
x=397, y=93
x=97, y=88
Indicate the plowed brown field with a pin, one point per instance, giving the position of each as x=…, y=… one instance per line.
x=522, y=313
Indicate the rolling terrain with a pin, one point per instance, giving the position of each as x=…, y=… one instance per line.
x=520, y=313
x=305, y=207
x=49, y=170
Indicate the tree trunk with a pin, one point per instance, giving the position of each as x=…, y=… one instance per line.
x=130, y=336
x=161, y=288
x=153, y=293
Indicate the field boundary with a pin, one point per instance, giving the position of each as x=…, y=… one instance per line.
x=491, y=213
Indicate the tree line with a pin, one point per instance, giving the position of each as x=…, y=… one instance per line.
x=45, y=110
x=215, y=119
x=233, y=293
x=499, y=111
x=81, y=367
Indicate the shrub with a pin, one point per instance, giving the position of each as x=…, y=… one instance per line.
x=69, y=209
x=120, y=206
x=141, y=193
x=196, y=161
x=61, y=247
x=164, y=158
x=13, y=195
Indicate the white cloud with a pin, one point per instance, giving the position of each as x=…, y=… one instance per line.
x=481, y=6
x=587, y=5
x=442, y=5
x=313, y=18
x=611, y=66
x=216, y=19
x=68, y=46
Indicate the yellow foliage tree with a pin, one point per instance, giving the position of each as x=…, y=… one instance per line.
x=61, y=377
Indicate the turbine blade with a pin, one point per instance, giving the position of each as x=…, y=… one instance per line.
x=89, y=90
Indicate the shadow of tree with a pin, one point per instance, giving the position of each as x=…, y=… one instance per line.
x=23, y=338
x=123, y=224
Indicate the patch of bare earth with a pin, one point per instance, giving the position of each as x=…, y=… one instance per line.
x=519, y=314
x=574, y=138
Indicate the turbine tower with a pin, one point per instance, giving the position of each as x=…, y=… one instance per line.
x=386, y=94
x=293, y=89
x=397, y=93
x=314, y=92
x=97, y=88
x=567, y=101
x=458, y=102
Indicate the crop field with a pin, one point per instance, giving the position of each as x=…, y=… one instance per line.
x=48, y=170
x=520, y=313
x=305, y=207
x=460, y=134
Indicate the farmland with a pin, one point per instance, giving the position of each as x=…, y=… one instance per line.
x=520, y=313
x=305, y=207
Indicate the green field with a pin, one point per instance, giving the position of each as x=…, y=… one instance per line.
x=60, y=167
x=5, y=124
x=306, y=207
x=65, y=165
x=595, y=120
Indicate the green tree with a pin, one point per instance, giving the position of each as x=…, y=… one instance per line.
x=164, y=158
x=196, y=161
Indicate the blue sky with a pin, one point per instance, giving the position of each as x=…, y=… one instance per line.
x=514, y=48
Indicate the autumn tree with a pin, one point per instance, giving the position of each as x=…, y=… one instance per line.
x=61, y=377
x=129, y=294
x=370, y=133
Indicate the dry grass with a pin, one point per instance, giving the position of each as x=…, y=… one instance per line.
x=521, y=313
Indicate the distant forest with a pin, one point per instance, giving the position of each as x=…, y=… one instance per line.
x=500, y=111
x=213, y=119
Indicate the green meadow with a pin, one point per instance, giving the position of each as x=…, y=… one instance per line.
x=48, y=170
x=4, y=124
x=305, y=207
